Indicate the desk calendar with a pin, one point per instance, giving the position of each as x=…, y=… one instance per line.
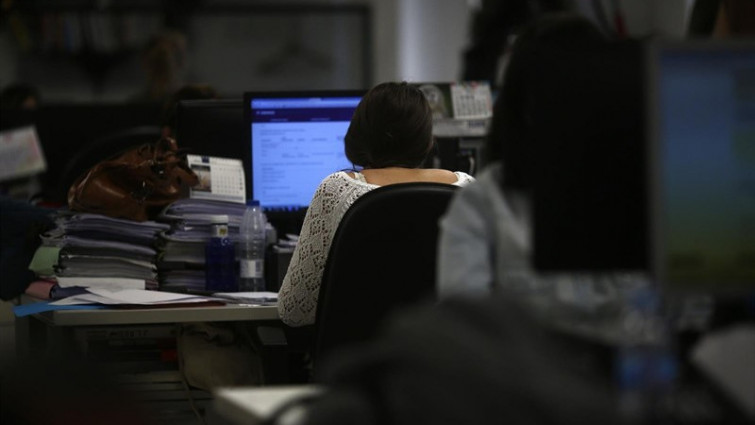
x=220, y=179
x=460, y=109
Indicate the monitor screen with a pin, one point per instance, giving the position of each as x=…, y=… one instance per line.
x=702, y=116
x=211, y=127
x=295, y=139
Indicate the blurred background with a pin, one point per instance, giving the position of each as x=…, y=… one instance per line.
x=90, y=53
x=113, y=50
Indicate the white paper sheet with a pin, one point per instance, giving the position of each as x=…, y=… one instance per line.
x=113, y=283
x=129, y=296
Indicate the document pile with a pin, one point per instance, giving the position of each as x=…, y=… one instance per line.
x=181, y=248
x=135, y=297
x=100, y=251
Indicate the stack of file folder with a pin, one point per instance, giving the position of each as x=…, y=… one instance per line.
x=97, y=250
x=181, y=248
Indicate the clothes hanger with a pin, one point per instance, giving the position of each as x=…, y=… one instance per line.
x=293, y=51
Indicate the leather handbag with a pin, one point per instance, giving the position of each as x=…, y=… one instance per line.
x=135, y=185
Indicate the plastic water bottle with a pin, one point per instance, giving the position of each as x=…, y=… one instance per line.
x=220, y=270
x=251, y=248
x=646, y=363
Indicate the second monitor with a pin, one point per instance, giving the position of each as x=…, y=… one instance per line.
x=212, y=127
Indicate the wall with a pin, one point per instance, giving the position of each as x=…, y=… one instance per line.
x=415, y=40
x=432, y=36
x=234, y=47
x=406, y=45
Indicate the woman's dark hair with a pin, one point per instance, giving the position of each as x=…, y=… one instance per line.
x=509, y=138
x=491, y=25
x=391, y=127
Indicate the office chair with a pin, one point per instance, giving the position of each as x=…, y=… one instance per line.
x=101, y=149
x=382, y=258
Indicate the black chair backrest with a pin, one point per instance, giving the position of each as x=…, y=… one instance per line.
x=383, y=257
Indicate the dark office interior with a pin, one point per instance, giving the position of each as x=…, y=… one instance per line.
x=108, y=75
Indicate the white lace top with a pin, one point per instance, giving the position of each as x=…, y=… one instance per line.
x=297, y=299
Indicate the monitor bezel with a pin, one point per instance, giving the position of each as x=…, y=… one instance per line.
x=250, y=95
x=189, y=106
x=183, y=106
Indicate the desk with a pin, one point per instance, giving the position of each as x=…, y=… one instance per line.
x=138, y=346
x=228, y=312
x=54, y=328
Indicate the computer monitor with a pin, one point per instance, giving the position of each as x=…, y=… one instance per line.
x=211, y=127
x=294, y=140
x=702, y=152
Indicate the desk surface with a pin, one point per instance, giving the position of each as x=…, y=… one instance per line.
x=229, y=312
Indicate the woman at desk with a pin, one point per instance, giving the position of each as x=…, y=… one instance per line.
x=486, y=235
x=389, y=137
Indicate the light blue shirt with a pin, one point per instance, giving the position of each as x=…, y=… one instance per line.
x=485, y=245
x=484, y=235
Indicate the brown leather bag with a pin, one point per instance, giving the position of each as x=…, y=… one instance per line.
x=136, y=184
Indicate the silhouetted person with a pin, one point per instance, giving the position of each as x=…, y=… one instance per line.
x=163, y=61
x=20, y=96
x=20, y=227
x=486, y=231
x=462, y=362
x=390, y=137
x=492, y=26
x=735, y=19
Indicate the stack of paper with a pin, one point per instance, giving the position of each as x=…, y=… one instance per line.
x=181, y=249
x=100, y=251
x=256, y=298
x=130, y=297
